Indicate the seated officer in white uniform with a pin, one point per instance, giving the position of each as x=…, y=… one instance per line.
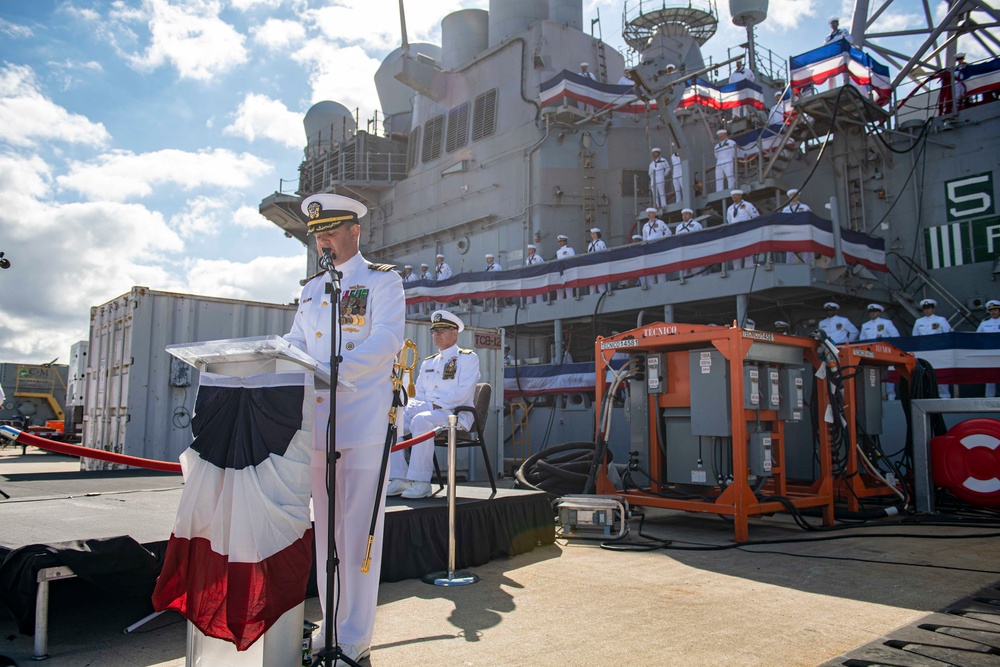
x=990, y=325
x=447, y=380
x=839, y=329
x=371, y=319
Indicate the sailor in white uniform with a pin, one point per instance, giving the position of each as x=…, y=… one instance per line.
x=877, y=326
x=531, y=258
x=991, y=325
x=960, y=75
x=441, y=269
x=491, y=264
x=677, y=169
x=410, y=277
x=929, y=325
x=777, y=114
x=725, y=161
x=658, y=170
x=585, y=71
x=371, y=319
x=741, y=211
x=795, y=206
x=562, y=252
x=654, y=228
x=596, y=244
x=688, y=223
x=836, y=32
x=741, y=73
x=425, y=273
x=838, y=328
x=447, y=380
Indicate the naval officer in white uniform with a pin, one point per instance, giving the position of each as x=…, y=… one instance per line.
x=877, y=326
x=990, y=325
x=930, y=325
x=838, y=328
x=725, y=161
x=447, y=380
x=659, y=170
x=371, y=318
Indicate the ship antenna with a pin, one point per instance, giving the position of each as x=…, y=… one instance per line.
x=402, y=28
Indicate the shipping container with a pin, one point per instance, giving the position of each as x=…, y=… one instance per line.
x=75, y=388
x=138, y=399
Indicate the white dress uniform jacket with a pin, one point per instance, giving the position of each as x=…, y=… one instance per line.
x=656, y=229
x=442, y=271
x=447, y=379
x=839, y=329
x=880, y=327
x=837, y=35
x=929, y=325
x=658, y=170
x=412, y=278
x=425, y=275
x=741, y=212
x=596, y=246
x=536, y=258
x=725, y=164
x=989, y=326
x=691, y=225
x=493, y=266
x=372, y=316
x=743, y=73
x=564, y=252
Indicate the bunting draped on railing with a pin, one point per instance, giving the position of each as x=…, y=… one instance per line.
x=699, y=92
x=774, y=232
x=864, y=73
x=982, y=78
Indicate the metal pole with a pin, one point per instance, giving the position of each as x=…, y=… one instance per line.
x=838, y=250
x=42, y=621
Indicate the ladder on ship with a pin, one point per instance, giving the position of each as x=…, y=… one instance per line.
x=789, y=147
x=588, y=168
x=919, y=280
x=520, y=437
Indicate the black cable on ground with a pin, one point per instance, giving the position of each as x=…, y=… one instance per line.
x=532, y=476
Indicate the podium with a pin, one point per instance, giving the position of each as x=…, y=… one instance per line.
x=246, y=363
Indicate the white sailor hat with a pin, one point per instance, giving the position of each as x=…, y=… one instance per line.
x=777, y=93
x=439, y=256
x=638, y=237
x=782, y=324
x=876, y=306
x=992, y=303
x=960, y=55
x=928, y=302
x=595, y=230
x=562, y=237
x=408, y=266
x=656, y=150
x=831, y=305
x=686, y=210
x=425, y=264
x=792, y=192
x=532, y=246
x=327, y=211
x=651, y=210
x=722, y=131
x=736, y=192
x=489, y=254
x=834, y=19
x=670, y=67
x=584, y=64
x=442, y=319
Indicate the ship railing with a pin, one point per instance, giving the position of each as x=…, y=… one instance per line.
x=346, y=165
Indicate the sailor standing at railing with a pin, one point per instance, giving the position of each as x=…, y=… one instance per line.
x=838, y=328
x=989, y=325
x=687, y=225
x=960, y=88
x=795, y=206
x=491, y=264
x=410, y=277
x=777, y=115
x=879, y=327
x=836, y=32
x=930, y=325
x=531, y=259
x=741, y=73
x=741, y=211
x=725, y=161
x=659, y=169
x=585, y=71
x=654, y=229
x=441, y=269
x=596, y=244
x=678, y=171
x=563, y=252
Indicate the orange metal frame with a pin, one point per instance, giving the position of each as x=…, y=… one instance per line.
x=857, y=483
x=738, y=499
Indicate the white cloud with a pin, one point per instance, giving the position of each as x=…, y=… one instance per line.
x=892, y=22
x=351, y=21
x=260, y=116
x=27, y=116
x=15, y=30
x=244, y=5
x=344, y=75
x=276, y=34
x=122, y=175
x=189, y=36
x=269, y=279
x=787, y=14
x=201, y=217
x=250, y=218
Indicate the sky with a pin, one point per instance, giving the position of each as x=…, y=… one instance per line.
x=138, y=137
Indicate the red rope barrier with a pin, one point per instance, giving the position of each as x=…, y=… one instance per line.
x=87, y=452
x=406, y=444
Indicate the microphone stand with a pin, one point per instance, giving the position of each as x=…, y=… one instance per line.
x=331, y=651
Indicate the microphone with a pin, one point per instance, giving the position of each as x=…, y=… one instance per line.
x=326, y=261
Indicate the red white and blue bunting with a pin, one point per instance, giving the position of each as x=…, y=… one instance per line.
x=840, y=58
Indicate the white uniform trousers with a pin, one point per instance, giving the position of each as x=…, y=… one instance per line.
x=678, y=188
x=724, y=169
x=419, y=417
x=357, y=479
x=659, y=192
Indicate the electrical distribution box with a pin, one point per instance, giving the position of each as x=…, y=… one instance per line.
x=751, y=387
x=792, y=389
x=759, y=454
x=772, y=389
x=655, y=374
x=709, y=380
x=868, y=396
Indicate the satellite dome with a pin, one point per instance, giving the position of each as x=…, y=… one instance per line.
x=328, y=121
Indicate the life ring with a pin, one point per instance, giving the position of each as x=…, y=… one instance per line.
x=966, y=461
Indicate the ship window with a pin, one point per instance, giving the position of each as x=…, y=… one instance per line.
x=458, y=128
x=484, y=115
x=413, y=148
x=433, y=130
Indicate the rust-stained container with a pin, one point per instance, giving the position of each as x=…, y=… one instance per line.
x=139, y=399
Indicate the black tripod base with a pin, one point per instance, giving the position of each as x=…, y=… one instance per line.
x=333, y=656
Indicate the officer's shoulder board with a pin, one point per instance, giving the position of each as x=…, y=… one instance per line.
x=315, y=275
x=436, y=354
x=380, y=267
x=461, y=351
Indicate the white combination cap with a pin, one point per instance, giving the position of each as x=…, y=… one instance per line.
x=562, y=237
x=637, y=237
x=992, y=303
x=686, y=210
x=876, y=306
x=651, y=210
x=928, y=302
x=960, y=55
x=442, y=319
x=831, y=304
x=782, y=324
x=595, y=230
